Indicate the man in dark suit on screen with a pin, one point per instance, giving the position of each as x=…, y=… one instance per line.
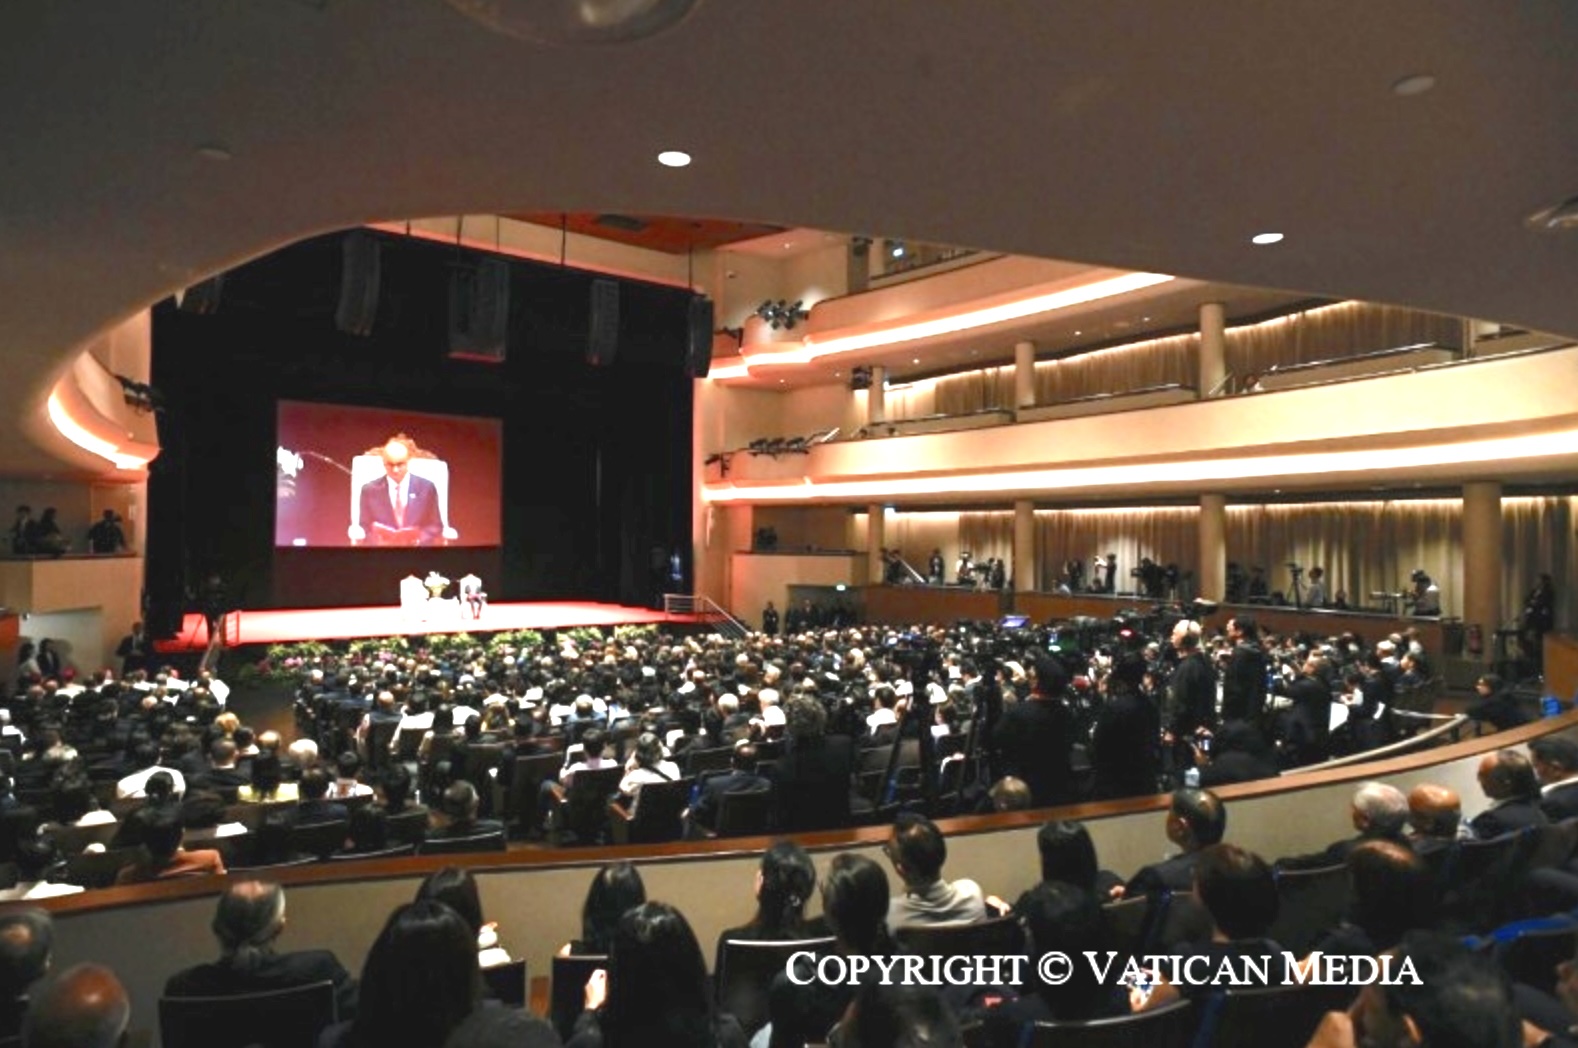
x=399, y=508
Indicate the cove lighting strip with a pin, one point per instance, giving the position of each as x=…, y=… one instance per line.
x=73, y=431
x=813, y=347
x=1193, y=472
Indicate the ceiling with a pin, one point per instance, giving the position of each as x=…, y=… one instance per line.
x=152, y=144
x=672, y=236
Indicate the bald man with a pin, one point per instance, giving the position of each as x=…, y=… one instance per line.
x=1435, y=815
x=86, y=1007
x=398, y=501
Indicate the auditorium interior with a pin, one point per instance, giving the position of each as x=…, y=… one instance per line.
x=1257, y=289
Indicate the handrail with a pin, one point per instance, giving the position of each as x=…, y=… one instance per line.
x=1453, y=727
x=1227, y=379
x=706, y=607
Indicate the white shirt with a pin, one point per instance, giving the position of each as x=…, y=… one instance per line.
x=136, y=784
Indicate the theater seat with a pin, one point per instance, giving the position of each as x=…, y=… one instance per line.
x=290, y=1018
x=1169, y=1026
x=745, y=974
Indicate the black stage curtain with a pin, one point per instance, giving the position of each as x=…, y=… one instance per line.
x=597, y=460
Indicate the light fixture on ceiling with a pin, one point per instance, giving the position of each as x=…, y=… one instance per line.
x=674, y=158
x=1558, y=218
x=1263, y=239
x=1413, y=84
x=576, y=22
x=214, y=151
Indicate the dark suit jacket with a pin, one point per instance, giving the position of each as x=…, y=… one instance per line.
x=309, y=813
x=1308, y=723
x=1244, y=684
x=1561, y=803
x=811, y=783
x=1514, y=815
x=1336, y=853
x=1126, y=747
x=1034, y=741
x=1175, y=875
x=276, y=971
x=421, y=508
x=705, y=810
x=1193, y=691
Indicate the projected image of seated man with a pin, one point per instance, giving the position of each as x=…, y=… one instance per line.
x=398, y=508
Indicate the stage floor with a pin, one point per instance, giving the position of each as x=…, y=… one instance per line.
x=281, y=626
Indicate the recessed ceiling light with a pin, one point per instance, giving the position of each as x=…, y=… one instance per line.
x=674, y=158
x=915, y=361
x=1266, y=238
x=214, y=151
x=1079, y=332
x=576, y=22
x=1145, y=318
x=1413, y=84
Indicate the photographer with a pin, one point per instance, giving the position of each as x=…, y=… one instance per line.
x=1538, y=619
x=1315, y=595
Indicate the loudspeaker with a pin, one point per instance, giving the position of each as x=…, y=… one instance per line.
x=602, y=336
x=202, y=299
x=698, y=350
x=361, y=269
x=479, y=311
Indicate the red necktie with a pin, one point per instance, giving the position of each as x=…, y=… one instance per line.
x=399, y=505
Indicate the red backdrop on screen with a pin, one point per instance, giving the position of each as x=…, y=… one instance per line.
x=316, y=443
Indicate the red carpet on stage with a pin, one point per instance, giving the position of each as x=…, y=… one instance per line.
x=287, y=625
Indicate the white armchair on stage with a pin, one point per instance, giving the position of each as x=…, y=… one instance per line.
x=369, y=467
x=413, y=597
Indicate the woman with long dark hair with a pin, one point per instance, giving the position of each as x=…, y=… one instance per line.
x=420, y=981
x=784, y=884
x=654, y=991
x=616, y=888
x=457, y=889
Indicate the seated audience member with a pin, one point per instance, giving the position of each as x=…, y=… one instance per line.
x=1435, y=817
x=392, y=792
x=27, y=938
x=1507, y=779
x=36, y=858
x=1068, y=855
x=855, y=900
x=741, y=778
x=166, y=858
x=1393, y=892
x=300, y=755
x=347, y=782
x=1497, y=705
x=647, y=764
x=456, y=816
x=1196, y=819
x=1379, y=812
x=783, y=887
x=594, y=747
x=909, y=1016
x=1059, y=916
x=1239, y=892
x=811, y=780
x=503, y=1028
x=616, y=888
x=1555, y=760
x=1460, y=1000
x=1235, y=752
x=420, y=981
x=655, y=990
x=147, y=758
x=84, y=1007
x=457, y=889
x=314, y=806
x=1009, y=794
x=248, y=922
x=74, y=803
x=224, y=774
x=917, y=850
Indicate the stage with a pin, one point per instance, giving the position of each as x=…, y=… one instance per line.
x=286, y=625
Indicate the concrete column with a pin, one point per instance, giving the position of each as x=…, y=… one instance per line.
x=1026, y=569
x=1024, y=374
x=876, y=538
x=1470, y=336
x=1482, y=560
x=1211, y=575
x=877, y=396
x=1213, y=347
x=857, y=276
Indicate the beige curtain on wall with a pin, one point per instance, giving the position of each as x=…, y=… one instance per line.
x=1540, y=535
x=1345, y=329
x=1166, y=534
x=1121, y=369
x=959, y=394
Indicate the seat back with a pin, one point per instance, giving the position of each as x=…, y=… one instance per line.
x=409, y=740
x=567, y=989
x=1531, y=957
x=480, y=842
x=408, y=827
x=1554, y=845
x=1126, y=923
x=393, y=852
x=716, y=758
x=72, y=839
x=998, y=935
x=290, y=1018
x=1311, y=902
x=507, y=982
x=746, y=969
x=1269, y=1017
x=745, y=813
x=657, y=810
x=320, y=839
x=1169, y=1026
x=98, y=869
x=527, y=775
x=380, y=733
x=584, y=811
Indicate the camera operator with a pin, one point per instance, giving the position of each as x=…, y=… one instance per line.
x=1538, y=619
x=1304, y=726
x=1123, y=746
x=1152, y=576
x=1426, y=597
x=1315, y=594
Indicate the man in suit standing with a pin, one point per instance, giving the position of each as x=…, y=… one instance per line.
x=1244, y=683
x=1034, y=738
x=398, y=501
